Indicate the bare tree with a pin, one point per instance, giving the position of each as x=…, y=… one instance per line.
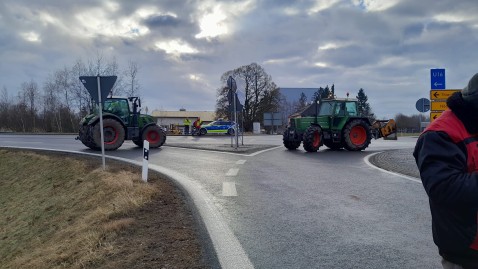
x=81, y=95
x=260, y=93
x=51, y=107
x=5, y=107
x=30, y=94
x=131, y=78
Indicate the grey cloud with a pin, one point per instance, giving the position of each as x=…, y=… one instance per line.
x=161, y=21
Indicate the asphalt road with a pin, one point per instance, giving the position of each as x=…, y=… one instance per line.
x=293, y=209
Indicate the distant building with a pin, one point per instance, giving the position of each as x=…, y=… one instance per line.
x=169, y=118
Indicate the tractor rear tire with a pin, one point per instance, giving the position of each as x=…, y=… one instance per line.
x=155, y=136
x=113, y=133
x=333, y=146
x=313, y=138
x=290, y=144
x=357, y=135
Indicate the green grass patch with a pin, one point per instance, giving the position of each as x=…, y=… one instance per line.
x=63, y=212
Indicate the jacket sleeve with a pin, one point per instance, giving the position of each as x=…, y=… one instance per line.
x=443, y=170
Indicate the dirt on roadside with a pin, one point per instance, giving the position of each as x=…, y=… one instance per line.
x=62, y=211
x=164, y=234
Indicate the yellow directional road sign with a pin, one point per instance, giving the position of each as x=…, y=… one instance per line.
x=434, y=115
x=438, y=106
x=441, y=94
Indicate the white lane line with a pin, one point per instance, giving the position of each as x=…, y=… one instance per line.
x=241, y=162
x=262, y=151
x=367, y=158
x=229, y=189
x=224, y=152
x=232, y=172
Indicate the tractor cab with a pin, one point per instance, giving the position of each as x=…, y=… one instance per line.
x=119, y=107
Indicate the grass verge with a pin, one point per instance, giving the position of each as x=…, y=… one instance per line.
x=66, y=212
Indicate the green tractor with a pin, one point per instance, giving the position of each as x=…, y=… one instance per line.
x=120, y=123
x=335, y=123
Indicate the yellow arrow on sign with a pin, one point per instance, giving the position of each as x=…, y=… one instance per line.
x=438, y=106
x=441, y=94
x=434, y=115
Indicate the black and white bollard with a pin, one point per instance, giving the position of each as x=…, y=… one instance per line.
x=145, y=160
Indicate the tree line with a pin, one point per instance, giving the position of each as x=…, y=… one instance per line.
x=61, y=101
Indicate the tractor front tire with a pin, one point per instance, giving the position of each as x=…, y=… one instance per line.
x=85, y=134
x=154, y=135
x=290, y=144
x=113, y=133
x=357, y=135
x=312, y=138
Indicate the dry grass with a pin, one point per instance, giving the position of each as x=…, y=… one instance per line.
x=57, y=212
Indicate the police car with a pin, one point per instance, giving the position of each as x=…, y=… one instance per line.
x=218, y=127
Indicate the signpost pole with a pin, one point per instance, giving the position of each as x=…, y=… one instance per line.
x=235, y=121
x=101, y=123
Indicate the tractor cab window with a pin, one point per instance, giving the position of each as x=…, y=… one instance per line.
x=340, y=109
x=119, y=107
x=326, y=108
x=351, y=108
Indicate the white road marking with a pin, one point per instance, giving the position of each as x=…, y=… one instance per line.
x=232, y=172
x=262, y=151
x=224, y=152
x=229, y=189
x=366, y=159
x=241, y=162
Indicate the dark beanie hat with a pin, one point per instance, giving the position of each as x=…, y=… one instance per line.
x=470, y=92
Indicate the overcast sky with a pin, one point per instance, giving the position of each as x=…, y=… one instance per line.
x=386, y=47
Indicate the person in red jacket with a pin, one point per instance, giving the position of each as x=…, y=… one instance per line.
x=196, y=126
x=446, y=154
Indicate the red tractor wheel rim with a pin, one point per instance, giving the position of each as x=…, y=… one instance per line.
x=152, y=137
x=358, y=136
x=316, y=141
x=111, y=135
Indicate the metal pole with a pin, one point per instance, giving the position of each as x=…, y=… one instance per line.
x=242, y=127
x=235, y=121
x=101, y=123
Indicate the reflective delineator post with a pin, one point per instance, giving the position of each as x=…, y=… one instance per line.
x=145, y=160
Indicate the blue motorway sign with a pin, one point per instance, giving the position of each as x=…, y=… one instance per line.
x=423, y=105
x=437, y=79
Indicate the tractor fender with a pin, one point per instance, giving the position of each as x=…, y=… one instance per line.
x=359, y=118
x=146, y=125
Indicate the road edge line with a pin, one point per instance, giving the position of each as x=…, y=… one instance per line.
x=367, y=161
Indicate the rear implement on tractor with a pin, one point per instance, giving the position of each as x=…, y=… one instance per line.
x=335, y=123
x=121, y=121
